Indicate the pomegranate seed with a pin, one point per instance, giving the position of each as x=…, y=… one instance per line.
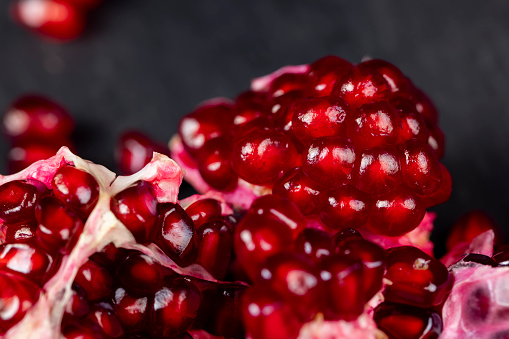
x=345, y=207
x=378, y=170
x=131, y=310
x=134, y=150
x=281, y=210
x=319, y=117
x=361, y=85
x=315, y=244
x=203, y=210
x=136, y=208
x=95, y=280
x=425, y=106
x=394, y=77
x=343, y=277
x=103, y=315
x=25, y=153
x=345, y=235
x=17, y=201
x=78, y=306
x=215, y=243
x=301, y=190
x=469, y=226
x=58, y=225
x=376, y=124
x=35, y=117
x=444, y=191
x=214, y=164
x=176, y=235
x=436, y=140
x=330, y=161
x=140, y=274
x=404, y=321
x=262, y=155
x=82, y=329
x=396, y=213
x=324, y=73
x=249, y=108
x=417, y=278
x=267, y=317
x=205, y=123
x=20, y=232
x=77, y=188
x=173, y=309
x=27, y=259
x=288, y=82
x=413, y=125
x=110, y=256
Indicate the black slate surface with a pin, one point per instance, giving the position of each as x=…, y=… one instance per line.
x=143, y=64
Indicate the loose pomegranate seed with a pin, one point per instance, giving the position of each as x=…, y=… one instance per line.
x=394, y=77
x=17, y=201
x=33, y=117
x=345, y=207
x=417, y=278
x=444, y=191
x=25, y=153
x=469, y=226
x=140, y=274
x=324, y=73
x=203, y=210
x=173, y=309
x=95, y=280
x=262, y=155
x=316, y=244
x=78, y=306
x=301, y=190
x=215, y=243
x=131, y=310
x=281, y=210
x=345, y=235
x=214, y=164
x=77, y=188
x=103, y=315
x=20, y=232
x=396, y=213
x=404, y=321
x=267, y=317
x=319, y=117
x=288, y=82
x=376, y=124
x=330, y=161
x=134, y=150
x=176, y=235
x=58, y=225
x=378, y=170
x=136, y=208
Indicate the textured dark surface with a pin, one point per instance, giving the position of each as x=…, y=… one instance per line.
x=143, y=64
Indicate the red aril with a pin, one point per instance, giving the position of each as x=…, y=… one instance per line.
x=315, y=244
x=324, y=72
x=413, y=124
x=131, y=310
x=288, y=82
x=203, y=210
x=140, y=274
x=345, y=207
x=469, y=226
x=78, y=305
x=103, y=315
x=18, y=199
x=215, y=244
x=378, y=170
x=281, y=210
x=20, y=232
x=395, y=78
x=96, y=280
x=25, y=153
x=214, y=164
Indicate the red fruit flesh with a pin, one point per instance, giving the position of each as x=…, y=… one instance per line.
x=96, y=280
x=281, y=210
x=78, y=305
x=395, y=79
x=131, y=310
x=18, y=199
x=20, y=232
x=469, y=226
x=215, y=244
x=140, y=274
x=203, y=210
x=444, y=191
x=324, y=73
x=104, y=317
x=345, y=207
x=25, y=153
x=378, y=170
x=288, y=82
x=315, y=244
x=214, y=164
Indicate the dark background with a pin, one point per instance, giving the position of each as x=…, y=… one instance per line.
x=143, y=64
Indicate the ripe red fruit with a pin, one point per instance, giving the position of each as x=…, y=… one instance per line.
x=378, y=170
x=315, y=244
x=280, y=210
x=469, y=226
x=18, y=199
x=345, y=207
x=25, y=153
x=215, y=244
x=324, y=72
x=214, y=164
x=103, y=315
x=131, y=310
x=140, y=274
x=20, y=232
x=203, y=210
x=288, y=82
x=96, y=280
x=395, y=78
x=78, y=306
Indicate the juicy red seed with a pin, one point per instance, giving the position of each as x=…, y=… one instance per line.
x=214, y=164
x=372, y=258
x=413, y=125
x=421, y=169
x=345, y=207
x=110, y=256
x=173, y=308
x=81, y=329
x=288, y=82
x=258, y=237
x=77, y=188
x=314, y=243
x=469, y=226
x=95, y=280
x=299, y=189
x=394, y=77
x=27, y=259
x=17, y=296
x=261, y=156
x=20, y=232
x=134, y=150
x=295, y=279
x=205, y=123
x=378, y=170
x=78, y=305
x=215, y=243
x=24, y=154
x=136, y=208
x=203, y=210
x=444, y=191
x=139, y=274
x=361, y=85
x=250, y=106
x=51, y=24
x=396, y=213
x=319, y=117
x=131, y=310
x=36, y=117
x=251, y=97
x=176, y=234
x=324, y=73
x=330, y=161
x=58, y=226
x=425, y=106
x=417, y=278
x=17, y=201
x=346, y=235
x=104, y=317
x=344, y=288
x=281, y=210
x=404, y=321
x=266, y=316
x=376, y=124
x=436, y=140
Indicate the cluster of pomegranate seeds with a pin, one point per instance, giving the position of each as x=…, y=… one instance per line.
x=36, y=128
x=58, y=20
x=353, y=145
